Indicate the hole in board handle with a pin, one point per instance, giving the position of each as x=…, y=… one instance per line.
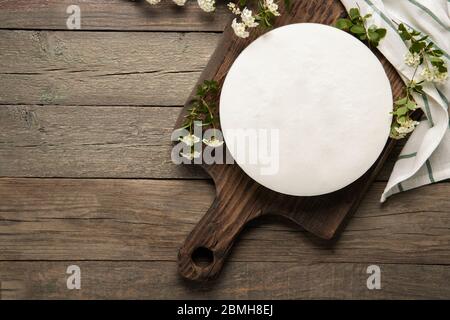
x=202, y=257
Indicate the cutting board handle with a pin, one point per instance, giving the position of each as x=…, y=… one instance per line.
x=203, y=253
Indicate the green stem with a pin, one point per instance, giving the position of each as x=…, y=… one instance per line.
x=210, y=112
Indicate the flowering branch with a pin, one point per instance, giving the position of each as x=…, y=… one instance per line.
x=201, y=112
x=266, y=12
x=420, y=53
x=202, y=108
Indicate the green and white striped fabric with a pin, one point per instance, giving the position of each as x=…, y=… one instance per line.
x=425, y=158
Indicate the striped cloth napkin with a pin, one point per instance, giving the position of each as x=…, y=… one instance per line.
x=425, y=158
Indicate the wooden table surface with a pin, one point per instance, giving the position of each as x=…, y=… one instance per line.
x=86, y=177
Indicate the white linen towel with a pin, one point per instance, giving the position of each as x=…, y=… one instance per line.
x=425, y=158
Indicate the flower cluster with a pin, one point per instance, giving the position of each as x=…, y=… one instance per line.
x=248, y=21
x=403, y=124
x=202, y=112
x=412, y=59
x=421, y=53
x=180, y=2
x=406, y=127
x=239, y=29
x=205, y=5
x=433, y=74
x=191, y=140
x=267, y=11
x=193, y=154
x=429, y=73
x=234, y=8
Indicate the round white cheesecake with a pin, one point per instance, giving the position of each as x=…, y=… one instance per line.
x=305, y=109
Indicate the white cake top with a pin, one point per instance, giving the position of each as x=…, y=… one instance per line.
x=325, y=95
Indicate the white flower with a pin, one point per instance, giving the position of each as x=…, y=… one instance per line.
x=272, y=7
x=213, y=142
x=234, y=8
x=439, y=77
x=412, y=59
x=248, y=19
x=427, y=74
x=207, y=5
x=191, y=155
x=179, y=2
x=406, y=127
x=397, y=136
x=239, y=29
x=189, y=140
x=152, y=2
x=434, y=75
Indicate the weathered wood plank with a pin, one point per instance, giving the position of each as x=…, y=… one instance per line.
x=111, y=15
x=55, y=141
x=240, y=280
x=64, y=219
x=122, y=68
x=89, y=141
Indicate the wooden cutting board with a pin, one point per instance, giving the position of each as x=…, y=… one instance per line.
x=239, y=199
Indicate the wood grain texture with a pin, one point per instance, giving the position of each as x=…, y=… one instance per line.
x=95, y=142
x=111, y=15
x=147, y=220
x=101, y=68
x=239, y=198
x=121, y=142
x=240, y=280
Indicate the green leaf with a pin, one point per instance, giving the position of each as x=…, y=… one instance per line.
x=401, y=101
x=404, y=34
x=423, y=38
x=411, y=105
x=373, y=36
x=344, y=24
x=401, y=27
x=436, y=61
x=373, y=28
x=354, y=13
x=401, y=111
x=418, y=89
x=381, y=33
x=357, y=29
x=429, y=46
x=417, y=47
x=442, y=68
x=437, y=53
